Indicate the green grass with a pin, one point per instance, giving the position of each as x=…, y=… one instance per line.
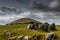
x=21, y=29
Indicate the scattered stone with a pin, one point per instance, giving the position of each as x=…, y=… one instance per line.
x=30, y=38
x=7, y=33
x=37, y=37
x=25, y=38
x=20, y=37
x=51, y=36
x=13, y=38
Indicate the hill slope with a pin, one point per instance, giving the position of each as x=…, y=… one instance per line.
x=24, y=20
x=21, y=29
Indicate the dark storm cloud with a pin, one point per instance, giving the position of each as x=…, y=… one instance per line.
x=10, y=10
x=55, y=4
x=4, y=9
x=14, y=3
x=10, y=7
x=21, y=3
x=46, y=5
x=40, y=4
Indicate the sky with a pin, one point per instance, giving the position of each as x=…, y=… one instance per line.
x=40, y=10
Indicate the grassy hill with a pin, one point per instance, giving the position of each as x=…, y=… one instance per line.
x=24, y=21
x=21, y=29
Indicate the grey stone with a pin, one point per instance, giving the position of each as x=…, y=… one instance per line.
x=25, y=38
x=52, y=27
x=20, y=37
x=44, y=27
x=50, y=36
x=7, y=34
x=12, y=38
x=37, y=37
x=34, y=26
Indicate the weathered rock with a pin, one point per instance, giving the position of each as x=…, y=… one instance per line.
x=25, y=38
x=30, y=38
x=30, y=26
x=13, y=38
x=51, y=36
x=20, y=37
x=52, y=27
x=7, y=34
x=44, y=27
x=36, y=26
x=41, y=27
x=37, y=37
x=33, y=25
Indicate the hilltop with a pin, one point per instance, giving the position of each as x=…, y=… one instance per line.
x=24, y=21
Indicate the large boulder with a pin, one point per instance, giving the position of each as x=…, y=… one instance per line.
x=51, y=36
x=44, y=27
x=52, y=27
x=41, y=27
x=33, y=25
x=30, y=26
x=36, y=26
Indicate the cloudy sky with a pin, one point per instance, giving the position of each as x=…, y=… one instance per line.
x=41, y=10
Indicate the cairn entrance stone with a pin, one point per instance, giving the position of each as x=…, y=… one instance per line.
x=33, y=25
x=30, y=26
